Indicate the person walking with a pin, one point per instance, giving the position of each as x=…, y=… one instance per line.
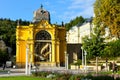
x=114, y=67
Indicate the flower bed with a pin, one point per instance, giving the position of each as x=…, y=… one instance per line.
x=66, y=76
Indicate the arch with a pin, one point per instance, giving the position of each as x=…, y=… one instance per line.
x=42, y=46
x=43, y=35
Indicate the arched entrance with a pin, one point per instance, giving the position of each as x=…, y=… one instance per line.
x=42, y=47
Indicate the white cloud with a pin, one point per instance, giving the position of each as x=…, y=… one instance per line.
x=65, y=10
x=81, y=4
x=78, y=8
x=86, y=12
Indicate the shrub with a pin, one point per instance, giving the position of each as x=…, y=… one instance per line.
x=41, y=74
x=62, y=76
x=103, y=78
x=76, y=77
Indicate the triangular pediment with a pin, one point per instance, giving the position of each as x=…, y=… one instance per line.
x=44, y=24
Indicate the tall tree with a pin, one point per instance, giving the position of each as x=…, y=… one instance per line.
x=107, y=14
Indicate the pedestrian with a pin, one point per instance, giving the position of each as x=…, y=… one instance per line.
x=3, y=66
x=114, y=67
x=110, y=65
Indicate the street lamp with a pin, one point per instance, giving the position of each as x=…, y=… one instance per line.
x=26, y=68
x=28, y=63
x=30, y=56
x=66, y=60
x=85, y=61
x=82, y=57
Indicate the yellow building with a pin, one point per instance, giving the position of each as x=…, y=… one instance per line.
x=46, y=43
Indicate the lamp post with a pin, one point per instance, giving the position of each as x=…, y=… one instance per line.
x=82, y=57
x=66, y=60
x=30, y=63
x=85, y=61
x=26, y=67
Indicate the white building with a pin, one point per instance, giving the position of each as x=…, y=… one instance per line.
x=75, y=35
x=77, y=32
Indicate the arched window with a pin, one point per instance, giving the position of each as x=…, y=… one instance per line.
x=43, y=35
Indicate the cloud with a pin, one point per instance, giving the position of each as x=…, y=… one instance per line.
x=66, y=10
x=78, y=8
x=80, y=4
x=86, y=12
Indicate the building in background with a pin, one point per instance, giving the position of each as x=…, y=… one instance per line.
x=74, y=39
x=76, y=33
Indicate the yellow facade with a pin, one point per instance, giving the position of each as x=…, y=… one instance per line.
x=46, y=44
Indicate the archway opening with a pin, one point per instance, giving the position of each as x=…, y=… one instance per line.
x=43, y=47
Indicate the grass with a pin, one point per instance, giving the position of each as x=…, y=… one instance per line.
x=23, y=78
x=4, y=70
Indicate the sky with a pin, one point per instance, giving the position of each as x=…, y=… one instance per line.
x=60, y=10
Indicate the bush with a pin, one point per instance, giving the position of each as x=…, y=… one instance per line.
x=62, y=76
x=41, y=74
x=76, y=77
x=103, y=78
x=66, y=76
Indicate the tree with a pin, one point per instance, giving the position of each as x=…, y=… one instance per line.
x=94, y=45
x=112, y=49
x=3, y=56
x=7, y=31
x=107, y=14
x=77, y=20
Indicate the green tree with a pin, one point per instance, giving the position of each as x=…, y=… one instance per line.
x=3, y=56
x=8, y=31
x=94, y=45
x=112, y=49
x=77, y=20
x=107, y=14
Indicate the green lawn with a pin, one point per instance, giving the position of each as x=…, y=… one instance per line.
x=22, y=78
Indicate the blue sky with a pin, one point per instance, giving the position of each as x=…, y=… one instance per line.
x=60, y=10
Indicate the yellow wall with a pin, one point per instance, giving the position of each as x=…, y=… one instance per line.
x=25, y=35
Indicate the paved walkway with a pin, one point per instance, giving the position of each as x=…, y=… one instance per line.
x=21, y=72
x=12, y=72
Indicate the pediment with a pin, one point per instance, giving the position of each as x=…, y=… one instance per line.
x=44, y=24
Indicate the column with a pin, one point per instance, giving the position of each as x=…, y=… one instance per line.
x=58, y=53
x=50, y=55
x=17, y=53
x=53, y=51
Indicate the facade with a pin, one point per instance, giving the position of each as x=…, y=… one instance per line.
x=74, y=40
x=77, y=32
x=43, y=42
x=74, y=51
